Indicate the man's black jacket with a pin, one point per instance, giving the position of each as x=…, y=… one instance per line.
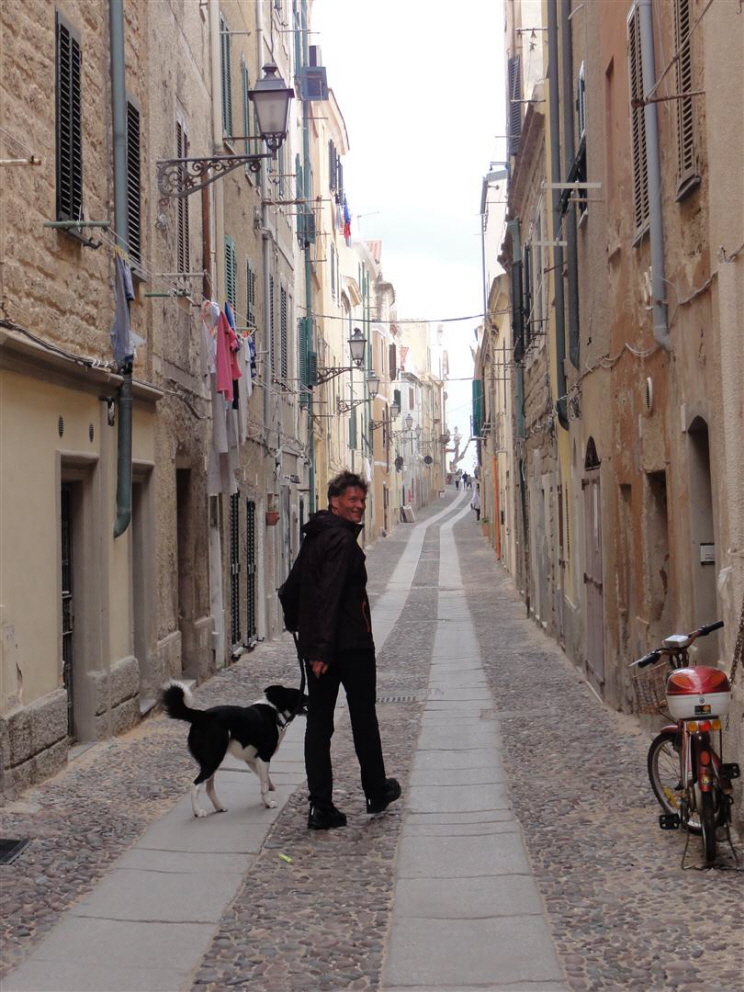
x=334, y=609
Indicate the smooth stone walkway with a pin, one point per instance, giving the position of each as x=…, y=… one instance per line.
x=466, y=912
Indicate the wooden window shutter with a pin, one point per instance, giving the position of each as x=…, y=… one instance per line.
x=250, y=282
x=134, y=190
x=392, y=362
x=515, y=102
x=226, y=70
x=332, y=166
x=527, y=293
x=517, y=316
x=183, y=235
x=640, y=165
x=272, y=331
x=284, y=330
x=686, y=160
x=231, y=273
x=353, y=430
x=69, y=125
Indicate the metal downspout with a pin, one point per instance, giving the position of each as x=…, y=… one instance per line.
x=310, y=326
x=121, y=223
x=556, y=178
x=656, y=223
x=569, y=156
x=214, y=534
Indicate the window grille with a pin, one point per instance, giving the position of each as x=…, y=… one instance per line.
x=183, y=239
x=515, y=102
x=69, y=124
x=686, y=158
x=638, y=126
x=226, y=71
x=134, y=191
x=283, y=330
x=231, y=273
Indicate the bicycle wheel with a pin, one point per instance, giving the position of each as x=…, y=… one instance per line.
x=708, y=819
x=665, y=778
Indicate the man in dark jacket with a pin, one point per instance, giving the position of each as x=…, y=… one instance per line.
x=335, y=636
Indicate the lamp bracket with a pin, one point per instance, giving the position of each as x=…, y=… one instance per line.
x=345, y=406
x=181, y=177
x=323, y=375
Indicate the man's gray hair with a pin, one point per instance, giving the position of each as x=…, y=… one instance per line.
x=343, y=481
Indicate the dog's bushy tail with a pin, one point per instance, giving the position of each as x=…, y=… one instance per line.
x=174, y=697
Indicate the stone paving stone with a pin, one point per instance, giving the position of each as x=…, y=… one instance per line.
x=622, y=913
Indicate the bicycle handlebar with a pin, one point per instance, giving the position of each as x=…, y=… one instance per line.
x=652, y=656
x=708, y=628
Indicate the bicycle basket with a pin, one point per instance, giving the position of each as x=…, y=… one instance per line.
x=649, y=686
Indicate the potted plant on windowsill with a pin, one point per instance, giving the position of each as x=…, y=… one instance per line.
x=272, y=518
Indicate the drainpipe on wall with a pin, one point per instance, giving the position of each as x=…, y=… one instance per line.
x=656, y=224
x=555, y=177
x=121, y=223
x=569, y=156
x=216, y=602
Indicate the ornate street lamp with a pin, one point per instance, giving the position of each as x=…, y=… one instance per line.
x=271, y=97
x=183, y=176
x=357, y=350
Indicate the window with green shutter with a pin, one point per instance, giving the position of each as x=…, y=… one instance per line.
x=283, y=336
x=231, y=273
x=353, y=430
x=69, y=123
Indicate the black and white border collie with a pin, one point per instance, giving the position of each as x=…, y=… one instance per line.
x=251, y=733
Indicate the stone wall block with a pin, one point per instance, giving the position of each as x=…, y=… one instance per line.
x=48, y=720
x=49, y=761
x=125, y=680
x=19, y=736
x=125, y=717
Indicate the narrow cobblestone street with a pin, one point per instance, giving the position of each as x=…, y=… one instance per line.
x=621, y=912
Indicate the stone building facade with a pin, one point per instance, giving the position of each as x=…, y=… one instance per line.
x=632, y=499
x=150, y=509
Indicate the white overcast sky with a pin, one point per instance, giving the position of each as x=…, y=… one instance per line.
x=421, y=87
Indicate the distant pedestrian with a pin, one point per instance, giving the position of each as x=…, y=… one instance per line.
x=465, y=478
x=335, y=636
x=475, y=503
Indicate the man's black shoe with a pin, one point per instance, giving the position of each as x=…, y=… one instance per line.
x=325, y=818
x=390, y=794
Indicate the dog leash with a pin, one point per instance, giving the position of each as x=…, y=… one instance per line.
x=302, y=679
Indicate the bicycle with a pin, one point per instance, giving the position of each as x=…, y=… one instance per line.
x=688, y=776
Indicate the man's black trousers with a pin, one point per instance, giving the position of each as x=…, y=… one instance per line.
x=356, y=671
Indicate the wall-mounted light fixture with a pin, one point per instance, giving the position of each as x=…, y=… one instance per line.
x=357, y=349
x=373, y=388
x=183, y=176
